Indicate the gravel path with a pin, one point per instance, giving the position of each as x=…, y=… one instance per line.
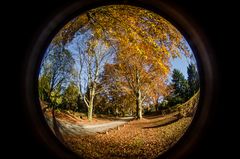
x=68, y=128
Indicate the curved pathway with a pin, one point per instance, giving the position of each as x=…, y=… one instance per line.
x=68, y=128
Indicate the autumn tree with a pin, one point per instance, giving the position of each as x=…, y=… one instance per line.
x=92, y=55
x=138, y=76
x=146, y=43
x=140, y=39
x=122, y=102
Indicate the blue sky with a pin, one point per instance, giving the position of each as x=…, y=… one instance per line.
x=180, y=64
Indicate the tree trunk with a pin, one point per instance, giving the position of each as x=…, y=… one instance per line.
x=90, y=106
x=156, y=105
x=138, y=96
x=90, y=109
x=139, y=104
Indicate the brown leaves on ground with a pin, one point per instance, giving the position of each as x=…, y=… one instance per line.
x=75, y=117
x=146, y=138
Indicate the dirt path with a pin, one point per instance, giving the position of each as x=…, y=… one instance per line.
x=69, y=128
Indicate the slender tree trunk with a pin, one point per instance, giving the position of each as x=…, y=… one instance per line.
x=90, y=106
x=90, y=109
x=139, y=104
x=138, y=96
x=156, y=105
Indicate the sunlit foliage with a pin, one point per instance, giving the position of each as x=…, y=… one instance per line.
x=119, y=54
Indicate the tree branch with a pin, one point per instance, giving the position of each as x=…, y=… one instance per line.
x=86, y=101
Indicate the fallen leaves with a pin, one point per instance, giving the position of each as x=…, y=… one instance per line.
x=130, y=141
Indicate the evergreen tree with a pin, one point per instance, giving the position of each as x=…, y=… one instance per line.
x=193, y=79
x=180, y=89
x=180, y=84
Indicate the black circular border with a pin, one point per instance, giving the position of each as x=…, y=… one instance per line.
x=190, y=30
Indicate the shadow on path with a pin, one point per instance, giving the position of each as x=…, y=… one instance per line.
x=163, y=123
x=56, y=126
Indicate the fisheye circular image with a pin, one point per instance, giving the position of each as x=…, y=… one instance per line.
x=118, y=81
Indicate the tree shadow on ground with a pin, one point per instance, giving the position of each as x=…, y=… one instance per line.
x=116, y=118
x=160, y=115
x=56, y=127
x=163, y=122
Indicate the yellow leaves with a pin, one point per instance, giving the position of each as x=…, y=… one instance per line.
x=139, y=51
x=164, y=68
x=59, y=100
x=66, y=34
x=55, y=98
x=53, y=94
x=165, y=51
x=126, y=24
x=120, y=65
